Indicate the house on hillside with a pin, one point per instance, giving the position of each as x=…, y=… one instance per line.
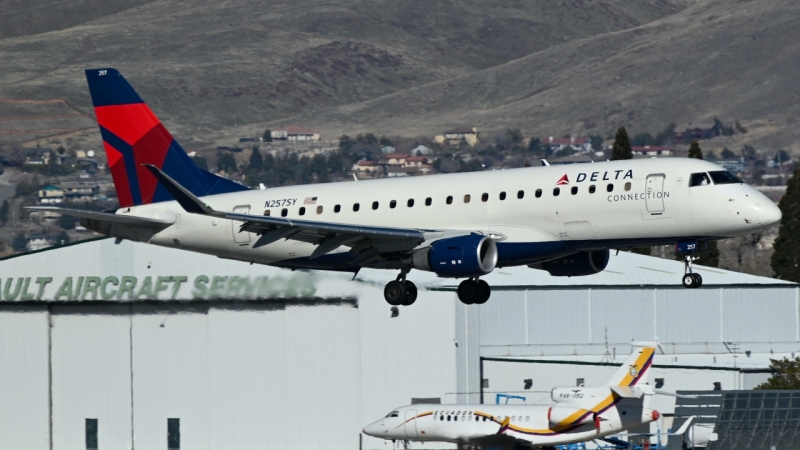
x=582, y=144
x=368, y=168
x=421, y=150
x=79, y=192
x=651, y=150
x=50, y=194
x=388, y=149
x=394, y=159
x=696, y=131
x=294, y=133
x=38, y=156
x=455, y=136
x=38, y=241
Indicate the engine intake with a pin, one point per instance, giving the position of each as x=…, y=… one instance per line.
x=462, y=256
x=578, y=264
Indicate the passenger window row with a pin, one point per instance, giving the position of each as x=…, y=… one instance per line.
x=449, y=199
x=464, y=418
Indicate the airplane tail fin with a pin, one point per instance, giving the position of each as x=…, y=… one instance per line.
x=635, y=370
x=133, y=136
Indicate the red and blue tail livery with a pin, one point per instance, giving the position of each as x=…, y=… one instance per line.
x=133, y=136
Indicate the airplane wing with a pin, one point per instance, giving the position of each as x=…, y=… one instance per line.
x=370, y=242
x=106, y=217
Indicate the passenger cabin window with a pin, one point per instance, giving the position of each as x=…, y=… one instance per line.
x=356, y=206
x=502, y=196
x=485, y=197
x=302, y=210
x=428, y=201
x=266, y=212
x=319, y=209
x=449, y=200
x=538, y=193
x=374, y=205
x=284, y=212
x=467, y=198
x=410, y=202
x=574, y=190
x=520, y=194
x=337, y=208
x=556, y=191
x=392, y=204
x=592, y=188
x=628, y=186
x=610, y=187
x=725, y=177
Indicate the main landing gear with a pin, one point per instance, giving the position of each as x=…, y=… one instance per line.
x=690, y=279
x=474, y=291
x=400, y=291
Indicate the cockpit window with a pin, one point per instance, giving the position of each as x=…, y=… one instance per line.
x=392, y=414
x=725, y=177
x=699, y=179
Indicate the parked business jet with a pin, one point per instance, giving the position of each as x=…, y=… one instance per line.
x=562, y=219
x=578, y=414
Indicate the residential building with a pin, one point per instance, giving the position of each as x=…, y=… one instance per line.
x=294, y=133
x=50, y=194
x=366, y=167
x=651, y=150
x=38, y=241
x=455, y=136
x=582, y=144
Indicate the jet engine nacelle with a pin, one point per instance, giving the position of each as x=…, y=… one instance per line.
x=577, y=264
x=462, y=256
x=566, y=415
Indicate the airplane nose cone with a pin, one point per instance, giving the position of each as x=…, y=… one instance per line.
x=372, y=429
x=769, y=214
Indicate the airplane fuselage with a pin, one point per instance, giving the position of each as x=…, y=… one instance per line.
x=535, y=214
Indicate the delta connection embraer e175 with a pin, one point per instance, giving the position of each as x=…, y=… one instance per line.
x=562, y=219
x=579, y=414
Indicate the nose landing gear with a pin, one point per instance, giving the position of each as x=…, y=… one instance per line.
x=474, y=292
x=400, y=291
x=690, y=279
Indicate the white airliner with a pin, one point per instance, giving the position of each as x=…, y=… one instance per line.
x=578, y=415
x=562, y=219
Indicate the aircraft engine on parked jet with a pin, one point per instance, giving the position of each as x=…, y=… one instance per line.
x=576, y=264
x=462, y=256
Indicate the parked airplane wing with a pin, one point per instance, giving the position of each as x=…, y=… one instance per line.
x=120, y=219
x=328, y=235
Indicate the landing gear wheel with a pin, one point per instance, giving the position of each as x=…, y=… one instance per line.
x=485, y=292
x=395, y=292
x=698, y=280
x=469, y=292
x=411, y=294
x=689, y=281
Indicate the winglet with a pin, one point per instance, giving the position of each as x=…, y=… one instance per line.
x=186, y=199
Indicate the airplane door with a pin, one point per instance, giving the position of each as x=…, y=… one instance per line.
x=242, y=238
x=655, y=191
x=411, y=423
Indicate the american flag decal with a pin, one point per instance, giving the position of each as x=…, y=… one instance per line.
x=310, y=201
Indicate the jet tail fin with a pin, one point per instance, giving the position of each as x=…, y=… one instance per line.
x=133, y=136
x=635, y=369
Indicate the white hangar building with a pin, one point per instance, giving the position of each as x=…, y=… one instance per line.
x=132, y=346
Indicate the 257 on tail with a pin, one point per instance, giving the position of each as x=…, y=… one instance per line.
x=562, y=219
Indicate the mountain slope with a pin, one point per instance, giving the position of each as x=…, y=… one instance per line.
x=211, y=64
x=731, y=59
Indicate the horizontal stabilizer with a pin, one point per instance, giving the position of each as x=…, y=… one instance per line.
x=120, y=219
x=627, y=391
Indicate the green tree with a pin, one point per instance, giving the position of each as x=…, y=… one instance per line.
x=535, y=146
x=597, y=142
x=785, y=260
x=256, y=161
x=727, y=154
x=19, y=243
x=200, y=162
x=4, y=212
x=694, y=150
x=643, y=139
x=514, y=135
x=740, y=128
x=267, y=135
x=226, y=162
x=384, y=141
x=622, y=145
x=67, y=222
x=785, y=376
